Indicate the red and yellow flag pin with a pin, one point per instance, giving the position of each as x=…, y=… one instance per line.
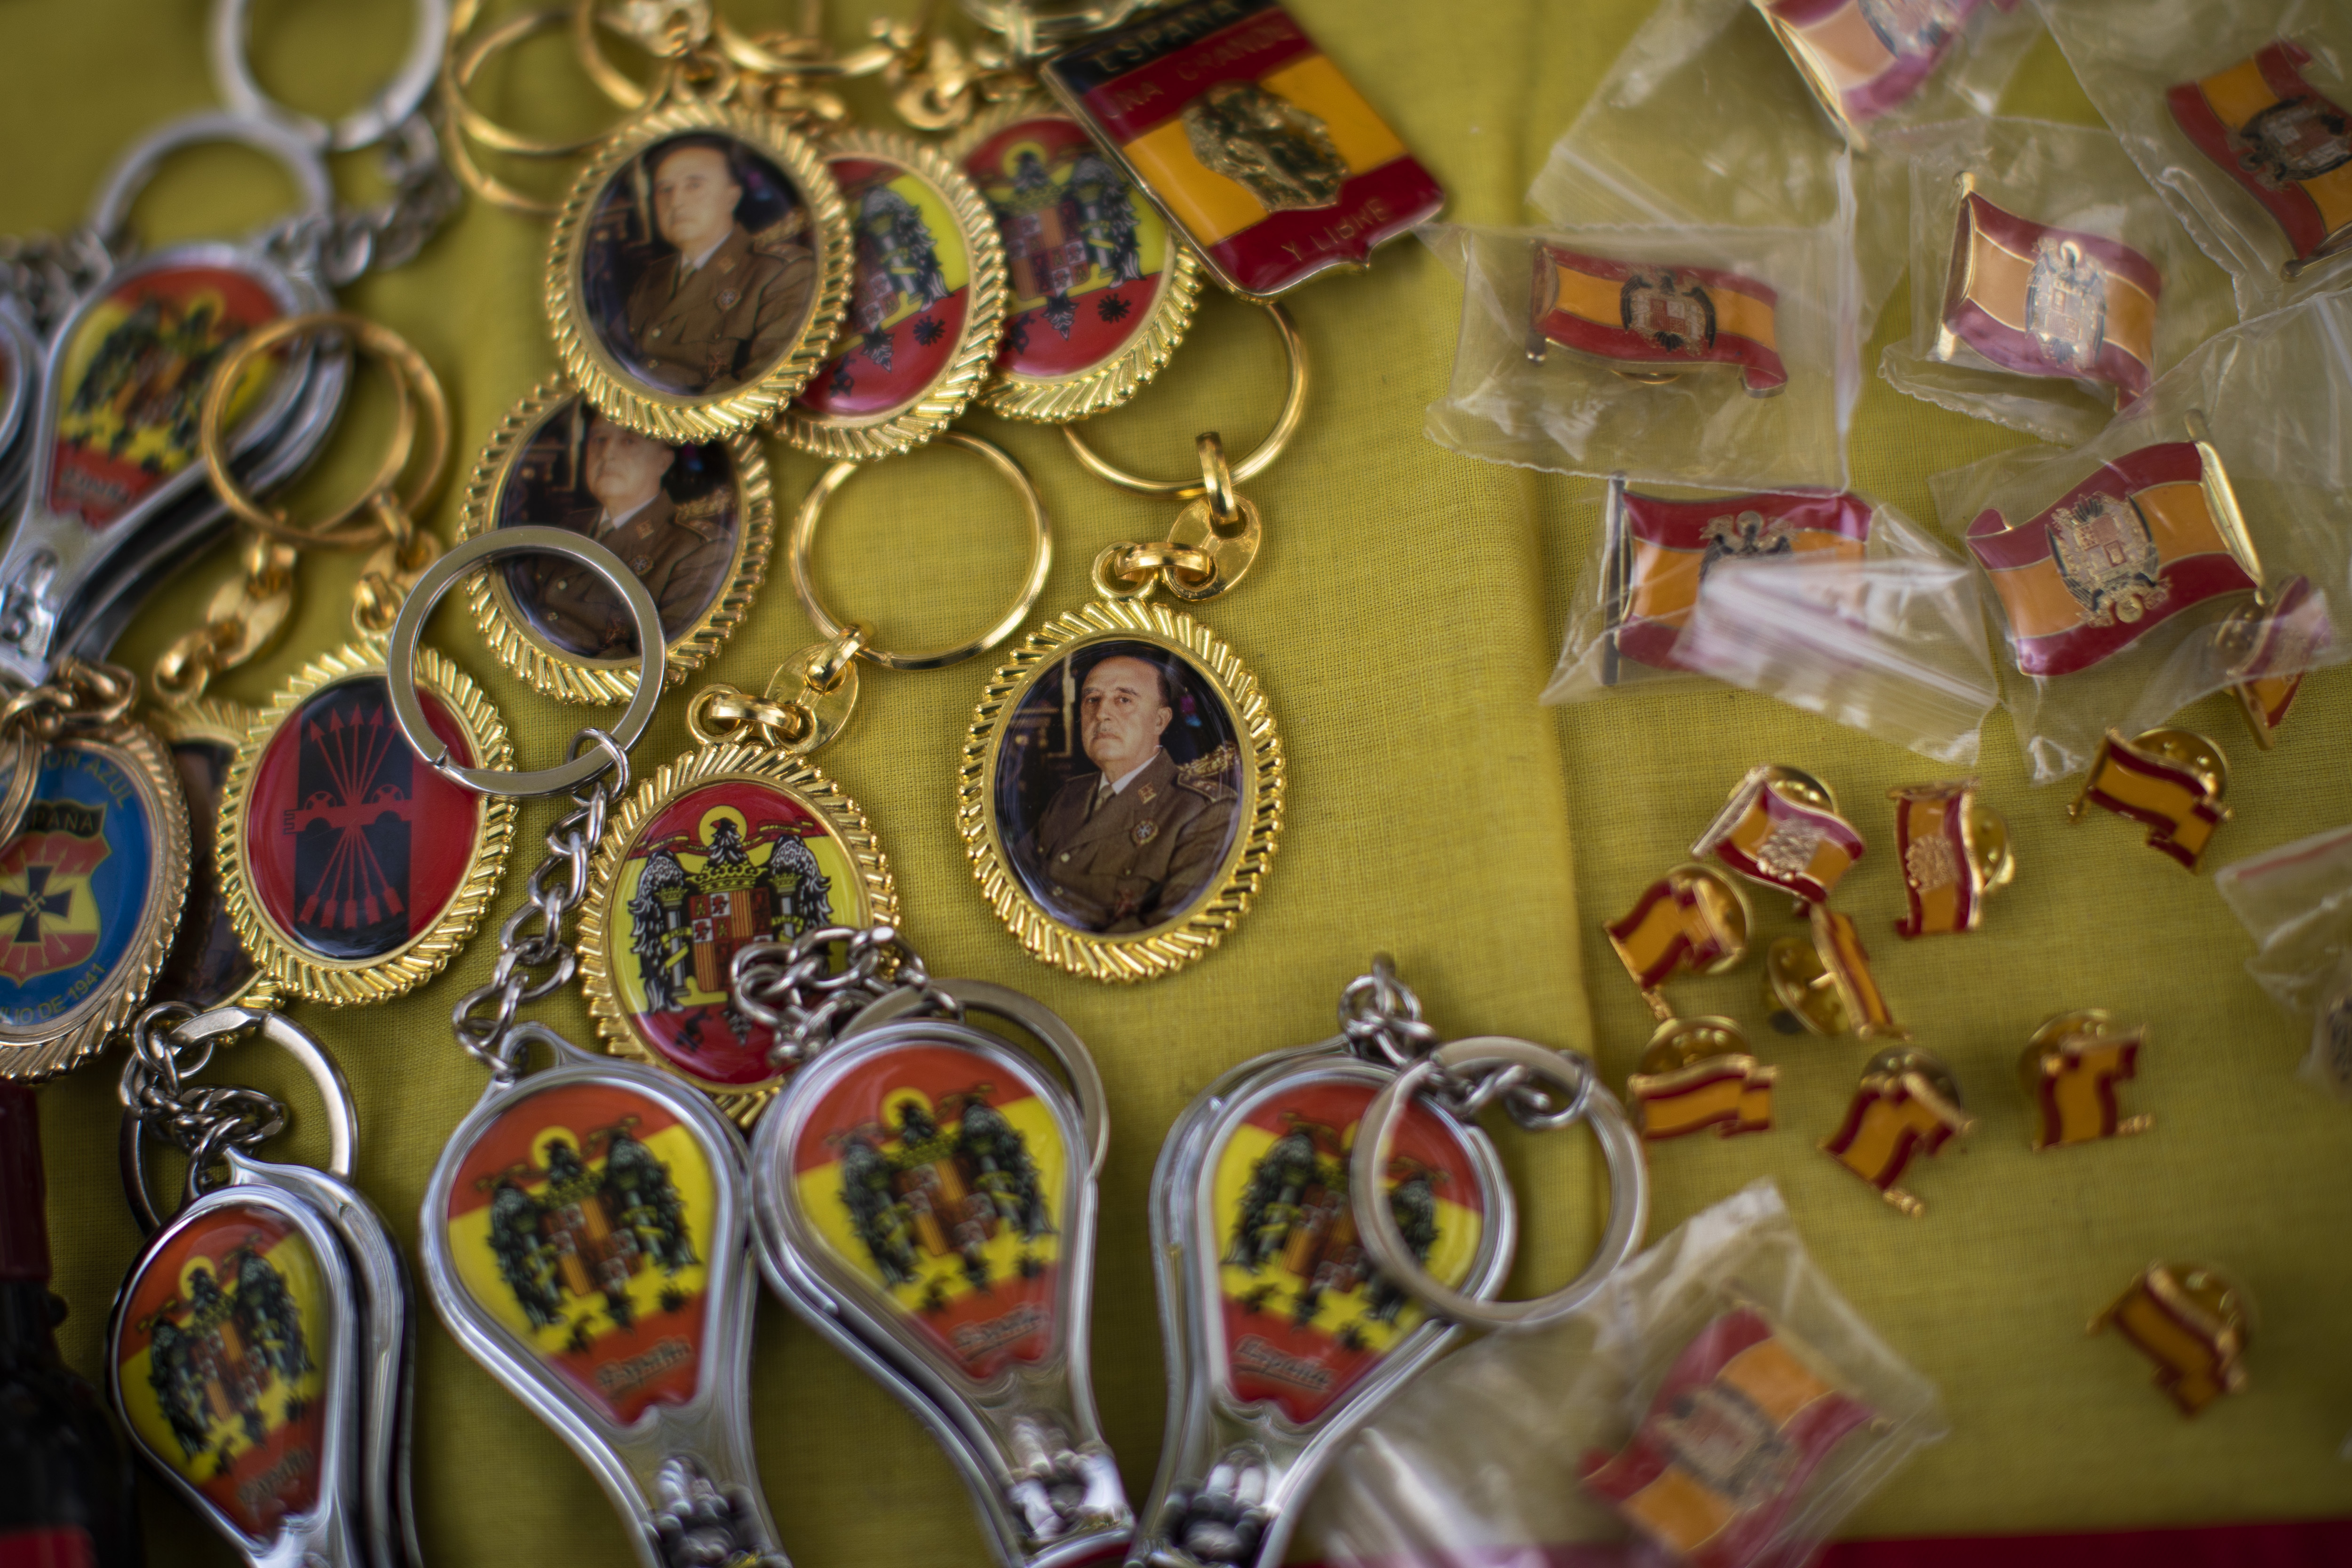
x=1698, y=1073
x=1955, y=852
x=1908, y=1105
x=2193, y=1323
x=2070, y=1071
x=2170, y=780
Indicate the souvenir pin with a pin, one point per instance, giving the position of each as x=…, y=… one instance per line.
x=701, y=264
x=1697, y=1073
x=1324, y=1220
x=2272, y=643
x=1907, y=1106
x=1739, y=1422
x=260, y=1349
x=351, y=873
x=927, y=309
x=691, y=520
x=1654, y=321
x=2285, y=145
x=2193, y=1323
x=115, y=496
x=1823, y=985
x=1657, y=553
x=1782, y=829
x=585, y=1228
x=2151, y=534
x=1863, y=58
x=925, y=1197
x=1694, y=918
x=2170, y=780
x=2070, y=1072
x=1100, y=288
x=92, y=877
x=1955, y=853
x=1123, y=780
x=2032, y=300
x=1248, y=137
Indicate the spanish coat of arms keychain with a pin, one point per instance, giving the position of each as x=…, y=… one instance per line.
x=584, y=1230
x=1325, y=1220
x=260, y=1353
x=924, y=1195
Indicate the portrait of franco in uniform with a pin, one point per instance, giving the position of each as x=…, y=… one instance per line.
x=669, y=512
x=1117, y=795
x=698, y=269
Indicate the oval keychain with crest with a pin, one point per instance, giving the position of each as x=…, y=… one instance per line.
x=584, y=1229
x=924, y=1193
x=259, y=1351
x=701, y=263
x=744, y=840
x=1324, y=1221
x=328, y=871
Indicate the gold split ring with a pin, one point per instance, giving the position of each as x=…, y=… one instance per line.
x=1294, y=408
x=1041, y=560
x=380, y=514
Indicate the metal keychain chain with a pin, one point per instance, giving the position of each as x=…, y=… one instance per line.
x=201, y=1121
x=1380, y=1018
x=805, y=991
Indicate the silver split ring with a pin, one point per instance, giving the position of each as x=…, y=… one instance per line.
x=342, y=1120
x=364, y=127
x=136, y=167
x=400, y=657
x=1629, y=1181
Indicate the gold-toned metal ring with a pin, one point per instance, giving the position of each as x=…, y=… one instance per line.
x=1294, y=408
x=615, y=83
x=1217, y=481
x=418, y=388
x=1041, y=560
x=459, y=67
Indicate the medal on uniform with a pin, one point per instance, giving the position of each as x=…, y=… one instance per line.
x=925, y=1199
x=691, y=519
x=702, y=262
x=259, y=1351
x=1322, y=1225
x=585, y=1226
x=350, y=872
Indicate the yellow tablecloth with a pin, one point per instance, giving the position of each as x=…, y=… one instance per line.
x=1403, y=617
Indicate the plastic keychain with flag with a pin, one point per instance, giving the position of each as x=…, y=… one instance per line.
x=1325, y=1220
x=924, y=1193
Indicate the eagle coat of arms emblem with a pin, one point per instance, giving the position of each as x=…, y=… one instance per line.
x=2107, y=558
x=2066, y=303
x=586, y=1233
x=687, y=926
x=2301, y=138
x=1667, y=312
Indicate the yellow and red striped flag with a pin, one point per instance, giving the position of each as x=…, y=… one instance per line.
x=1731, y=1093
x=2280, y=640
x=1895, y=1118
x=1689, y=918
x=2072, y=1082
x=2285, y=145
x=1768, y=834
x=2188, y=1323
x=2037, y=300
x=1941, y=873
x=1655, y=318
x=2181, y=805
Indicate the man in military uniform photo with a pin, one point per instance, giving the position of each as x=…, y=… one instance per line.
x=724, y=303
x=1131, y=845
x=681, y=553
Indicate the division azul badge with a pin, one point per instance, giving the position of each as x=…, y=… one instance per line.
x=1305, y=1316
x=580, y=1221
x=940, y=1175
x=131, y=381
x=728, y=846
x=352, y=869
x=91, y=888
x=221, y=1346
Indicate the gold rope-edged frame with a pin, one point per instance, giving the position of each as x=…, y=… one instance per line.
x=1140, y=955
x=987, y=297
x=678, y=417
x=341, y=983
x=600, y=915
x=224, y=724
x=135, y=748
x=571, y=677
x=1061, y=399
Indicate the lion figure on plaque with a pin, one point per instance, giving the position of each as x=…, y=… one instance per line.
x=2066, y=303
x=1269, y=146
x=2107, y=558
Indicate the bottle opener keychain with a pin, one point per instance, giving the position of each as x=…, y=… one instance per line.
x=1295, y=1304
x=584, y=1229
x=260, y=1353
x=925, y=1199
x=747, y=820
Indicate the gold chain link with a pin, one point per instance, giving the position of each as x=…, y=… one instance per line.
x=244, y=617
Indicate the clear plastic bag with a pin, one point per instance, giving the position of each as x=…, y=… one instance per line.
x=1829, y=602
x=1696, y=356
x=2236, y=111
x=1520, y=1447
x=2296, y=901
x=2125, y=576
x=2049, y=285
x=1705, y=118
